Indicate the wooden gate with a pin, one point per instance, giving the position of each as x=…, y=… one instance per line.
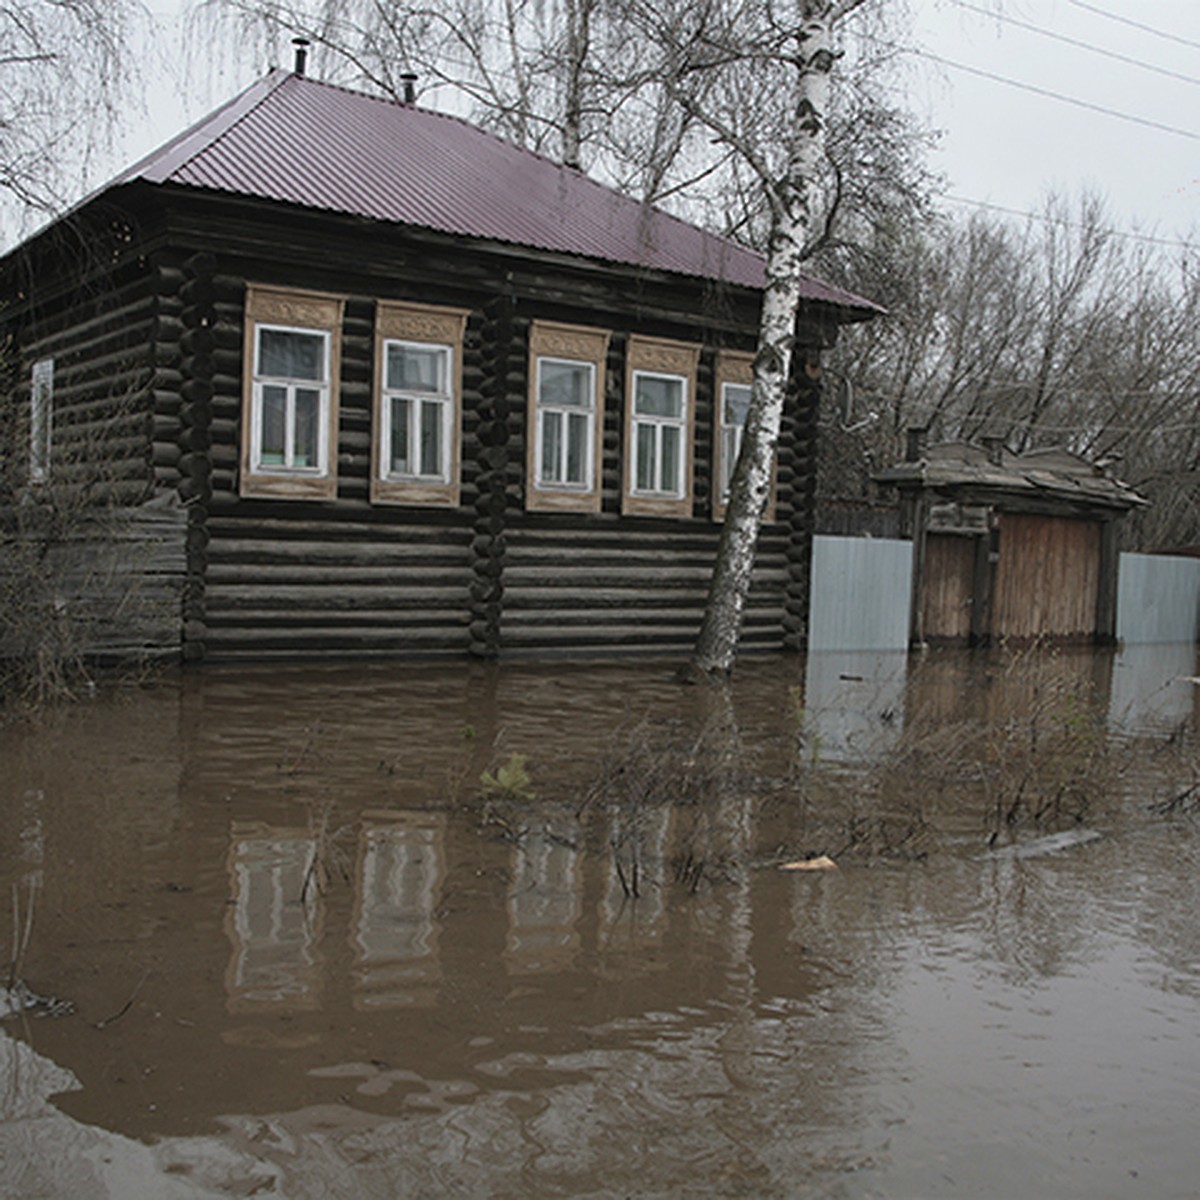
x=1047, y=578
x=948, y=592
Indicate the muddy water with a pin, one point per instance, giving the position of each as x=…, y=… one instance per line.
x=309, y=958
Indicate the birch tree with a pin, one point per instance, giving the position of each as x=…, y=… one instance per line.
x=757, y=78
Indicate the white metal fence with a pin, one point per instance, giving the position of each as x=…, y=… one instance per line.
x=1158, y=598
x=860, y=593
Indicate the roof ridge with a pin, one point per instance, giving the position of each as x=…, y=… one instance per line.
x=188, y=145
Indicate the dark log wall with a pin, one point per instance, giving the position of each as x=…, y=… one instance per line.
x=279, y=577
x=97, y=329
x=605, y=583
x=276, y=578
x=108, y=558
x=611, y=586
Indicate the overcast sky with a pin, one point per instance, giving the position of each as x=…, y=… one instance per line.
x=1008, y=145
x=1003, y=144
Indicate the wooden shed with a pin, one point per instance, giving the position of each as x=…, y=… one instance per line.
x=418, y=389
x=1012, y=548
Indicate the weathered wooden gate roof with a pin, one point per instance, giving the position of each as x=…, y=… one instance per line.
x=300, y=141
x=1054, y=474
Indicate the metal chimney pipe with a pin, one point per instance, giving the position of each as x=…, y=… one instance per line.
x=410, y=87
x=301, y=44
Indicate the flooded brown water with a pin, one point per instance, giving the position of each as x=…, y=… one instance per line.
x=308, y=958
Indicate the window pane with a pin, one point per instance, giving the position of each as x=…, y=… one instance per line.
x=274, y=410
x=565, y=383
x=645, y=458
x=731, y=444
x=431, y=438
x=401, y=455
x=286, y=354
x=304, y=447
x=552, y=436
x=577, y=430
x=737, y=403
x=416, y=368
x=39, y=433
x=658, y=396
x=670, y=458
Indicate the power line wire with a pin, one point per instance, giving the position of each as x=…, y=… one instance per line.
x=1053, y=95
x=1112, y=16
x=1071, y=41
x=1128, y=235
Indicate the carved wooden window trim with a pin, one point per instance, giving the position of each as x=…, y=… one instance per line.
x=425, y=327
x=291, y=310
x=734, y=368
x=574, y=345
x=660, y=358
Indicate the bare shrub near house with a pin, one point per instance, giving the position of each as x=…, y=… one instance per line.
x=1030, y=753
x=1025, y=755
x=77, y=553
x=702, y=774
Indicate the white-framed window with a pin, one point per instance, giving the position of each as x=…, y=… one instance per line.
x=660, y=426
x=660, y=435
x=565, y=427
x=418, y=401
x=731, y=404
x=417, y=408
x=735, y=405
x=290, y=393
x=566, y=424
x=41, y=419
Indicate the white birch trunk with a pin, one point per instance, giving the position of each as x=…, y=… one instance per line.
x=578, y=42
x=794, y=203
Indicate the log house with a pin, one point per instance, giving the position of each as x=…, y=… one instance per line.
x=417, y=391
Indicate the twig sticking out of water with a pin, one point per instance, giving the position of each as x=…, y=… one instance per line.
x=127, y=1005
x=629, y=886
x=20, y=942
x=1186, y=802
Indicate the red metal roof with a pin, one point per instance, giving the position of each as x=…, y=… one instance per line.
x=300, y=141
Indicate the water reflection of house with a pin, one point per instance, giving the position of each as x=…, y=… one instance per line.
x=545, y=897
x=275, y=934
x=401, y=869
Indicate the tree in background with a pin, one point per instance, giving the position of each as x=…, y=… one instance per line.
x=1055, y=331
x=533, y=71
x=64, y=65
